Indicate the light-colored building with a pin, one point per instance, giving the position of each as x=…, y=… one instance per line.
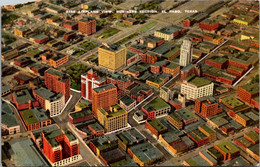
x=50, y=101
x=9, y=123
x=112, y=57
x=186, y=53
x=194, y=87
x=166, y=94
x=127, y=102
x=114, y=119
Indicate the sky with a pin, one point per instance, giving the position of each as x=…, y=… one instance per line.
x=13, y=2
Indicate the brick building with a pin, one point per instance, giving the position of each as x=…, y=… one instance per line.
x=103, y=97
x=80, y=116
x=207, y=106
x=71, y=25
x=87, y=26
x=58, y=60
x=208, y=25
x=58, y=82
x=228, y=150
x=22, y=99
x=248, y=92
x=155, y=127
x=89, y=81
x=149, y=58
x=60, y=147
x=69, y=36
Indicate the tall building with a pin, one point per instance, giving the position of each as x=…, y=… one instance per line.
x=195, y=87
x=58, y=82
x=87, y=26
x=207, y=106
x=112, y=57
x=103, y=97
x=113, y=119
x=186, y=53
x=89, y=81
x=60, y=147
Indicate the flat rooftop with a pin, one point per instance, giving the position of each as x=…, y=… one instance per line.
x=156, y=104
x=185, y=114
x=34, y=116
x=232, y=101
x=104, y=88
x=24, y=153
x=227, y=147
x=146, y=152
x=156, y=124
x=8, y=117
x=197, y=81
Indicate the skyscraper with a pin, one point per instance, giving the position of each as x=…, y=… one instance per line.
x=186, y=53
x=112, y=57
x=89, y=81
x=103, y=97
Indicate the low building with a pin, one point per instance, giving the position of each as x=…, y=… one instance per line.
x=103, y=143
x=175, y=120
x=71, y=25
x=168, y=33
x=198, y=137
x=53, y=102
x=117, y=153
x=9, y=124
x=80, y=116
x=187, y=116
x=130, y=137
x=23, y=78
x=96, y=129
x=227, y=149
x=69, y=36
x=145, y=154
x=35, y=118
x=34, y=53
x=210, y=133
x=58, y=60
x=207, y=157
x=131, y=58
x=252, y=136
x=158, y=66
x=172, y=68
x=217, y=62
x=157, y=80
x=173, y=53
x=139, y=93
x=23, y=61
x=149, y=57
x=156, y=108
x=9, y=54
x=23, y=100
x=21, y=31
x=151, y=41
x=130, y=21
x=235, y=105
x=127, y=103
x=24, y=153
x=253, y=151
x=208, y=25
x=40, y=38
x=176, y=104
x=114, y=119
x=248, y=92
x=155, y=127
x=242, y=119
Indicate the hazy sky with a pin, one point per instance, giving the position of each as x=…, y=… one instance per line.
x=13, y=2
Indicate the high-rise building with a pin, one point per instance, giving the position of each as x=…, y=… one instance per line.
x=58, y=82
x=60, y=147
x=112, y=57
x=186, y=53
x=89, y=81
x=207, y=106
x=195, y=87
x=87, y=26
x=103, y=97
x=113, y=119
